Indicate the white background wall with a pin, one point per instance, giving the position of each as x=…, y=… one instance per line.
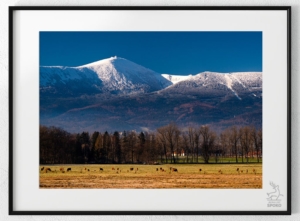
x=4, y=102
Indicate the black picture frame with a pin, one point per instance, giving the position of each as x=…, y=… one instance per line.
x=12, y=120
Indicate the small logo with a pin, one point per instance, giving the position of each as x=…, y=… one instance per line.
x=274, y=197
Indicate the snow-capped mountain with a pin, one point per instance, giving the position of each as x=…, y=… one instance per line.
x=117, y=94
x=58, y=80
x=120, y=74
x=114, y=75
x=218, y=84
x=176, y=78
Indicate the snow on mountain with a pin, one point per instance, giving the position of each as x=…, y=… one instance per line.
x=117, y=75
x=114, y=75
x=251, y=80
x=229, y=85
x=246, y=83
x=124, y=76
x=51, y=75
x=87, y=97
x=68, y=81
x=219, y=84
x=176, y=78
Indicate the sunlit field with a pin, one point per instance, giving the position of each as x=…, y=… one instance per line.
x=126, y=176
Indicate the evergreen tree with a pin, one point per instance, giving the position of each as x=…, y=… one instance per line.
x=117, y=145
x=125, y=147
x=93, y=154
x=141, y=146
x=106, y=146
x=85, y=145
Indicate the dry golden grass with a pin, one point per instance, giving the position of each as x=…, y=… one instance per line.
x=188, y=176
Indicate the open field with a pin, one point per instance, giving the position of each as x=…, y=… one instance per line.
x=182, y=159
x=146, y=176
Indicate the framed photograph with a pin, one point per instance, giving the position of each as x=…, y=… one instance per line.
x=150, y=110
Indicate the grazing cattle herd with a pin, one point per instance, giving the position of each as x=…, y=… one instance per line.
x=136, y=169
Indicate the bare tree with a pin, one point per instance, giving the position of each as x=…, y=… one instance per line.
x=224, y=140
x=162, y=140
x=218, y=149
x=208, y=141
x=197, y=142
x=246, y=141
x=260, y=140
x=172, y=134
x=255, y=140
x=150, y=153
x=177, y=143
x=234, y=140
x=191, y=132
x=185, y=145
x=168, y=136
x=132, y=140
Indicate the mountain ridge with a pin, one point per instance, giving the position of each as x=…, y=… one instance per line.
x=117, y=94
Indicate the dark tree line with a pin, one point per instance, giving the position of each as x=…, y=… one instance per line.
x=168, y=144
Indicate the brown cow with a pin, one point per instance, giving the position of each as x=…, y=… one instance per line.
x=174, y=170
x=101, y=169
x=69, y=169
x=156, y=169
x=200, y=169
x=131, y=168
x=112, y=168
x=61, y=169
x=42, y=168
x=47, y=169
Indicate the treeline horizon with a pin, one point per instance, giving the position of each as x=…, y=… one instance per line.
x=168, y=144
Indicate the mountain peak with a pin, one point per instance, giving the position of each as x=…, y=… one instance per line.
x=123, y=76
x=103, y=62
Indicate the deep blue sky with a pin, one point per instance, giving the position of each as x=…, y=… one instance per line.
x=163, y=52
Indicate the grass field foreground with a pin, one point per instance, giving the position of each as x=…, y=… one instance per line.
x=215, y=176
